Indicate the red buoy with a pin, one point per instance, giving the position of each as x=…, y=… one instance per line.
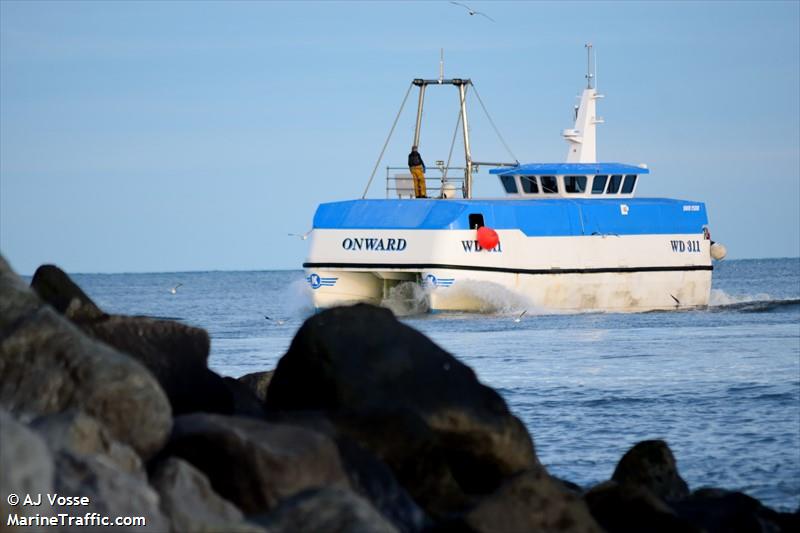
x=487, y=238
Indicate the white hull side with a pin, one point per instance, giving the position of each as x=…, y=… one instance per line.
x=597, y=272
x=629, y=291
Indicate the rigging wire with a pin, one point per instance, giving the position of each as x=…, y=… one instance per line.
x=493, y=125
x=378, y=162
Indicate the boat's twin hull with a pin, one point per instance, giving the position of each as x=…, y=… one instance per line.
x=609, y=273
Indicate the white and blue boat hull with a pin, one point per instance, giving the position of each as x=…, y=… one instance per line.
x=613, y=255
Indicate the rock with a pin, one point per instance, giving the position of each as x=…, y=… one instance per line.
x=49, y=366
x=531, y=501
x=650, y=464
x=190, y=503
x=360, y=364
x=373, y=480
x=176, y=354
x=633, y=508
x=722, y=511
x=55, y=287
x=258, y=383
x=111, y=492
x=414, y=453
x=81, y=434
x=327, y=510
x=255, y=464
x=26, y=467
x=244, y=400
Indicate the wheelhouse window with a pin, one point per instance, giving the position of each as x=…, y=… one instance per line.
x=549, y=184
x=599, y=184
x=529, y=185
x=509, y=184
x=575, y=184
x=628, y=184
x=613, y=185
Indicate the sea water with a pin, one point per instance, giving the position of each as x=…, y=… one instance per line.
x=721, y=386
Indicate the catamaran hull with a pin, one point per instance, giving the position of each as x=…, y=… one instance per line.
x=598, y=272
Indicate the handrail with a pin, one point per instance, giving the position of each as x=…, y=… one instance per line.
x=440, y=182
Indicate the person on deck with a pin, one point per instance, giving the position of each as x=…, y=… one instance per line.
x=417, y=167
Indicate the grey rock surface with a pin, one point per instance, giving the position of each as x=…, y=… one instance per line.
x=26, y=467
x=258, y=382
x=190, y=503
x=650, y=464
x=256, y=464
x=531, y=501
x=327, y=510
x=112, y=492
x=79, y=433
x=49, y=366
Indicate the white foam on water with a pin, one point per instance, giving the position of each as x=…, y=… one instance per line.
x=721, y=298
x=408, y=298
x=494, y=298
x=299, y=298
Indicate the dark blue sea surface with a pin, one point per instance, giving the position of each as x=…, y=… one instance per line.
x=721, y=386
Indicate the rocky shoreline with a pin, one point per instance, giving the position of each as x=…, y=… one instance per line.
x=365, y=425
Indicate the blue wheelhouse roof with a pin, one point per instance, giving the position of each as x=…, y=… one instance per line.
x=563, y=169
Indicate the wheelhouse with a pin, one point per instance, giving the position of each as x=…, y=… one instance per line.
x=570, y=180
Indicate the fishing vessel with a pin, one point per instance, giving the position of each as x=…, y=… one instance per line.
x=570, y=235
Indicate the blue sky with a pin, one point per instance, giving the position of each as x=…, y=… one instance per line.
x=151, y=136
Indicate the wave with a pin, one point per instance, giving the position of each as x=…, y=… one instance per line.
x=758, y=303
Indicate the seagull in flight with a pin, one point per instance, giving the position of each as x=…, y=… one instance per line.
x=174, y=290
x=522, y=314
x=472, y=11
x=303, y=237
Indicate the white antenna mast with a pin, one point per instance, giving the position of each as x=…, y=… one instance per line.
x=441, y=64
x=589, y=75
x=582, y=138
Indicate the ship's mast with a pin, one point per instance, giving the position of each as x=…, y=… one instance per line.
x=582, y=138
x=461, y=85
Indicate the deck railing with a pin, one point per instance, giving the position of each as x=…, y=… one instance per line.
x=440, y=182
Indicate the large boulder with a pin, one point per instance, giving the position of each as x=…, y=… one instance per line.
x=49, y=366
x=191, y=504
x=326, y=510
x=650, y=464
x=55, y=287
x=359, y=365
x=255, y=464
x=175, y=353
x=111, y=492
x=530, y=501
x=26, y=467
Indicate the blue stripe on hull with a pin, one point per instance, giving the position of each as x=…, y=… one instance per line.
x=535, y=218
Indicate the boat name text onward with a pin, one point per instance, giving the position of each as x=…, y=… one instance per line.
x=375, y=245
